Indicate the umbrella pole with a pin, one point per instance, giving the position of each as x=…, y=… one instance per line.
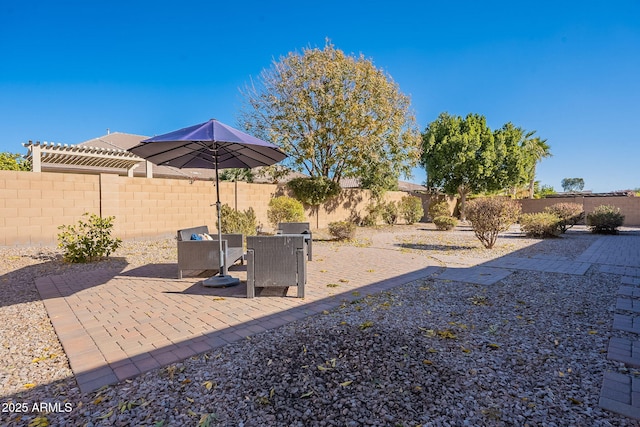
x=222, y=279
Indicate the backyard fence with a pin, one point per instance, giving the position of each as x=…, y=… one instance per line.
x=33, y=205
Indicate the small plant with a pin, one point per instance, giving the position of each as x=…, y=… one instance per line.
x=232, y=221
x=374, y=211
x=540, y=225
x=437, y=209
x=390, y=212
x=569, y=214
x=284, y=209
x=445, y=222
x=88, y=240
x=605, y=219
x=411, y=209
x=491, y=216
x=342, y=230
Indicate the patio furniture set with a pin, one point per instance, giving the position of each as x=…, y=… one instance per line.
x=277, y=261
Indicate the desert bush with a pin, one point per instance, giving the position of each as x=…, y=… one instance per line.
x=605, y=219
x=491, y=216
x=390, y=212
x=411, y=209
x=342, y=230
x=374, y=211
x=232, y=221
x=284, y=209
x=439, y=209
x=445, y=222
x=569, y=214
x=540, y=224
x=88, y=240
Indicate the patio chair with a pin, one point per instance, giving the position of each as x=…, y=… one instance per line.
x=298, y=228
x=276, y=261
x=205, y=254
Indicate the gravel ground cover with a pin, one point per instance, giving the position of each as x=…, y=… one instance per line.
x=528, y=350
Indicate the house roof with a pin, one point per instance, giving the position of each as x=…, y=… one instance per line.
x=402, y=185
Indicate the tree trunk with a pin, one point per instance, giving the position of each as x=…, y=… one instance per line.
x=531, y=187
x=463, y=191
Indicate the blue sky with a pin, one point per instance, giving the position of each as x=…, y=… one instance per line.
x=569, y=70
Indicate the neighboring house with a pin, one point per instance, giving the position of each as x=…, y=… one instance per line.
x=108, y=154
x=407, y=187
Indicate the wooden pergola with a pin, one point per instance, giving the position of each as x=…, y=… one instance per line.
x=59, y=156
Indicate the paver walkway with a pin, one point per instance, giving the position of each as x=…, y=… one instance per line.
x=115, y=325
x=621, y=255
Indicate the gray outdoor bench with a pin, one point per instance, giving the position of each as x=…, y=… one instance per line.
x=205, y=254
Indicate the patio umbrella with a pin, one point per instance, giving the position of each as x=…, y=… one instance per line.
x=210, y=145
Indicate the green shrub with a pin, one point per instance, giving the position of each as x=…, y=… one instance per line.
x=374, y=211
x=315, y=190
x=491, y=216
x=88, y=240
x=232, y=221
x=390, y=212
x=445, y=222
x=437, y=209
x=569, y=214
x=411, y=209
x=342, y=230
x=542, y=224
x=605, y=219
x=284, y=209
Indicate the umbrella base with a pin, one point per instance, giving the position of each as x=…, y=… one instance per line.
x=221, y=281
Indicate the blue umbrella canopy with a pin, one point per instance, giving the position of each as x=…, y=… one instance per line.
x=206, y=144
x=210, y=145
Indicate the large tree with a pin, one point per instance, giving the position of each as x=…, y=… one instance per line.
x=572, y=184
x=335, y=115
x=512, y=166
x=535, y=150
x=13, y=162
x=459, y=155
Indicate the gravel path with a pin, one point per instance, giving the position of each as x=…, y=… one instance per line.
x=528, y=350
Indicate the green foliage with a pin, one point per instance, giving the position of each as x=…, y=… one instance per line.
x=313, y=191
x=535, y=150
x=491, y=216
x=88, y=240
x=390, y=212
x=232, y=221
x=335, y=115
x=572, y=184
x=542, y=224
x=378, y=178
x=374, y=212
x=605, y=219
x=445, y=222
x=542, y=191
x=236, y=174
x=437, y=209
x=511, y=168
x=569, y=214
x=411, y=209
x=13, y=162
x=459, y=155
x=285, y=209
x=342, y=230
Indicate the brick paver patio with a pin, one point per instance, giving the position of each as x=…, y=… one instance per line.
x=115, y=324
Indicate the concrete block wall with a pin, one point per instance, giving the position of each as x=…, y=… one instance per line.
x=629, y=206
x=33, y=205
